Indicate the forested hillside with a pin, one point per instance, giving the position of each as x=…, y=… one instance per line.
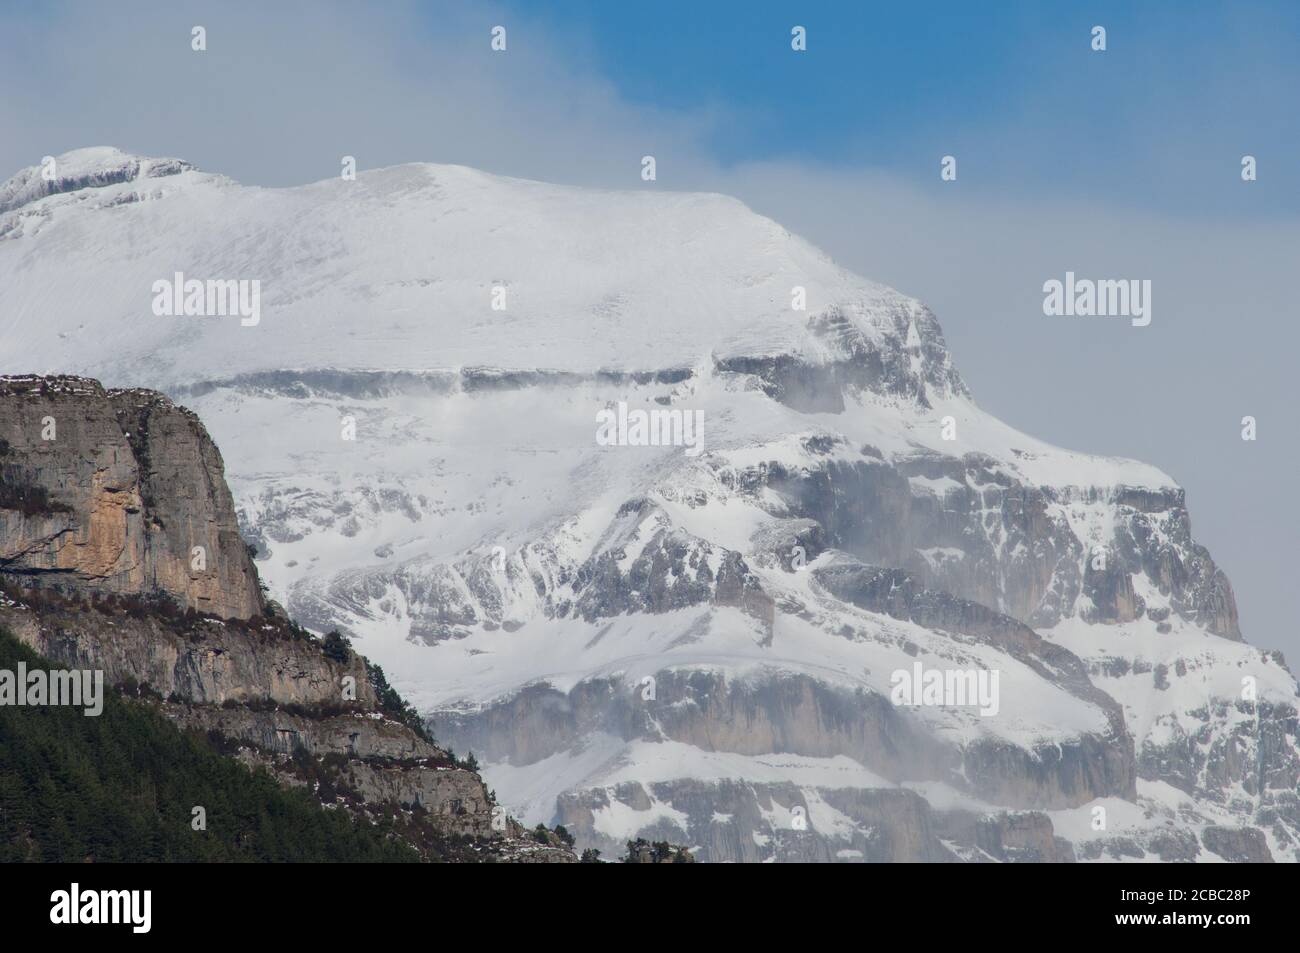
x=122, y=787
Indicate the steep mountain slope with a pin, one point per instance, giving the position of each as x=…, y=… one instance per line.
x=120, y=555
x=695, y=642
x=122, y=788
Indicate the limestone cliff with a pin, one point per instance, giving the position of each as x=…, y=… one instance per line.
x=120, y=552
x=117, y=491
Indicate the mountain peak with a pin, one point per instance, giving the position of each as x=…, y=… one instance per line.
x=426, y=267
x=87, y=168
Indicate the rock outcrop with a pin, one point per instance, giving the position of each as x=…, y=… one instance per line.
x=964, y=525
x=119, y=552
x=117, y=491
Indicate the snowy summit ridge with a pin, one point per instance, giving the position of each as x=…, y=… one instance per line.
x=397, y=273
x=397, y=270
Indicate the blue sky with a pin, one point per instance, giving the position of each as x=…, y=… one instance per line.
x=1121, y=164
x=1013, y=89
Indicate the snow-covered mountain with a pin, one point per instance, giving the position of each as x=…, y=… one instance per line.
x=693, y=642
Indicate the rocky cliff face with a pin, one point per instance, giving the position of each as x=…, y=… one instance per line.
x=104, y=498
x=720, y=634
x=967, y=526
x=117, y=492
x=701, y=649
x=204, y=661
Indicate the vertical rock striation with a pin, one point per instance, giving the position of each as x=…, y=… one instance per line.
x=121, y=493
